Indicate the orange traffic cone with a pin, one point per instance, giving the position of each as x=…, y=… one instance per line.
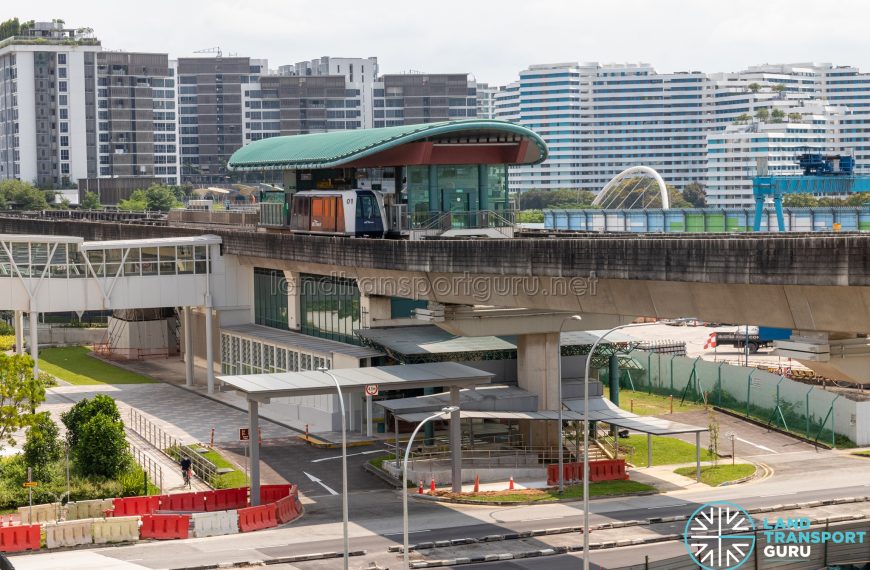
x=477, y=483
x=432, y=485
x=511, y=484
x=420, y=488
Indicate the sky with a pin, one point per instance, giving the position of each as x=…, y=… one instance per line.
x=492, y=40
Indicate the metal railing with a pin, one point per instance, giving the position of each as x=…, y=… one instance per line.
x=172, y=448
x=146, y=462
x=506, y=457
x=150, y=432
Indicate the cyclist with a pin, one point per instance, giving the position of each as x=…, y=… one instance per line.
x=185, y=470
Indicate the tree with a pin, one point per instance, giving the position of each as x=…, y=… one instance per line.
x=858, y=199
x=676, y=199
x=20, y=394
x=779, y=88
x=794, y=117
x=10, y=28
x=42, y=445
x=762, y=114
x=560, y=198
x=76, y=417
x=530, y=217
x=777, y=115
x=713, y=432
x=90, y=201
x=743, y=118
x=157, y=197
x=22, y=196
x=102, y=447
x=695, y=195
x=800, y=201
x=754, y=87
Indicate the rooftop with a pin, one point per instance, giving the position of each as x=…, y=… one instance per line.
x=347, y=148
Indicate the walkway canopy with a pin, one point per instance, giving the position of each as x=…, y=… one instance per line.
x=263, y=387
x=472, y=141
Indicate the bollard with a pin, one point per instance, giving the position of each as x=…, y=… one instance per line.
x=632, y=406
x=705, y=400
x=511, y=484
x=420, y=488
x=671, y=398
x=432, y=485
x=477, y=483
x=211, y=441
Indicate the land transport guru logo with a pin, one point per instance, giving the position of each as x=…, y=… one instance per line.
x=722, y=536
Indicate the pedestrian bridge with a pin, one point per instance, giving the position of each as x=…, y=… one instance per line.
x=58, y=273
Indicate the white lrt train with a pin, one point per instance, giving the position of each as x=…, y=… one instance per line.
x=339, y=213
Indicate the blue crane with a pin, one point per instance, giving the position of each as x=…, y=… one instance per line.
x=823, y=174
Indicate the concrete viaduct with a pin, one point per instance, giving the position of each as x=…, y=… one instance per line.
x=816, y=284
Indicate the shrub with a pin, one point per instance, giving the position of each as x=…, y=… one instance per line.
x=42, y=446
x=101, y=447
x=76, y=417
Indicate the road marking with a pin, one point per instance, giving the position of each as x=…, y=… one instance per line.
x=668, y=505
x=349, y=455
x=778, y=494
x=409, y=532
x=755, y=444
x=321, y=483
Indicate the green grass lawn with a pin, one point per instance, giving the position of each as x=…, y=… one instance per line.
x=666, y=450
x=601, y=489
x=229, y=480
x=865, y=453
x=74, y=364
x=651, y=404
x=715, y=476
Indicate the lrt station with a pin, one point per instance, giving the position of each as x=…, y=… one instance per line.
x=453, y=311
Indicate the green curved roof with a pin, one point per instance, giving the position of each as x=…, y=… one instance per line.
x=328, y=150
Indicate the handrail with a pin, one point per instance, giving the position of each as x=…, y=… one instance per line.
x=154, y=469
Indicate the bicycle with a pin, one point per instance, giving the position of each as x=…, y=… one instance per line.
x=186, y=474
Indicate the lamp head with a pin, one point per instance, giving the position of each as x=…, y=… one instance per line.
x=449, y=409
x=321, y=369
x=576, y=318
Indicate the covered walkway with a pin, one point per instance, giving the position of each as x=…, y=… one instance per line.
x=261, y=388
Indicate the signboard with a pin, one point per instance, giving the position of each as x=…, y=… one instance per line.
x=30, y=484
x=244, y=434
x=371, y=389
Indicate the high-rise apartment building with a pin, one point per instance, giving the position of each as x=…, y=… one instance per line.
x=359, y=73
x=486, y=101
x=47, y=105
x=407, y=99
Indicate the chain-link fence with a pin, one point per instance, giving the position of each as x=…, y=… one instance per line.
x=810, y=411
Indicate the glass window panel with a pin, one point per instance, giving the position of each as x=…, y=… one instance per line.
x=167, y=260
x=149, y=260
x=184, y=259
x=133, y=265
x=199, y=255
x=330, y=308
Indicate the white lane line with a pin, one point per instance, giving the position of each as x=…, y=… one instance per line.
x=755, y=445
x=409, y=532
x=314, y=479
x=668, y=505
x=349, y=455
x=778, y=494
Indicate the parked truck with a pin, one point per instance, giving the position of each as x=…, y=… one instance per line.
x=757, y=337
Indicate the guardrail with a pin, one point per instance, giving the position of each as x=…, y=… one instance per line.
x=202, y=467
x=154, y=469
x=150, y=432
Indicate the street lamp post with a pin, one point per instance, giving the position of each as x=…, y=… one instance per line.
x=586, y=439
x=343, y=467
x=561, y=424
x=444, y=412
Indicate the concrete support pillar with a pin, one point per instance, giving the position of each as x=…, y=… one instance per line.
x=34, y=341
x=294, y=297
x=209, y=350
x=455, y=441
x=538, y=373
x=18, y=323
x=188, y=346
x=254, y=424
x=429, y=428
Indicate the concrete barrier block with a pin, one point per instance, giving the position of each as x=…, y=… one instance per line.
x=69, y=533
x=215, y=523
x=92, y=509
x=116, y=529
x=40, y=513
